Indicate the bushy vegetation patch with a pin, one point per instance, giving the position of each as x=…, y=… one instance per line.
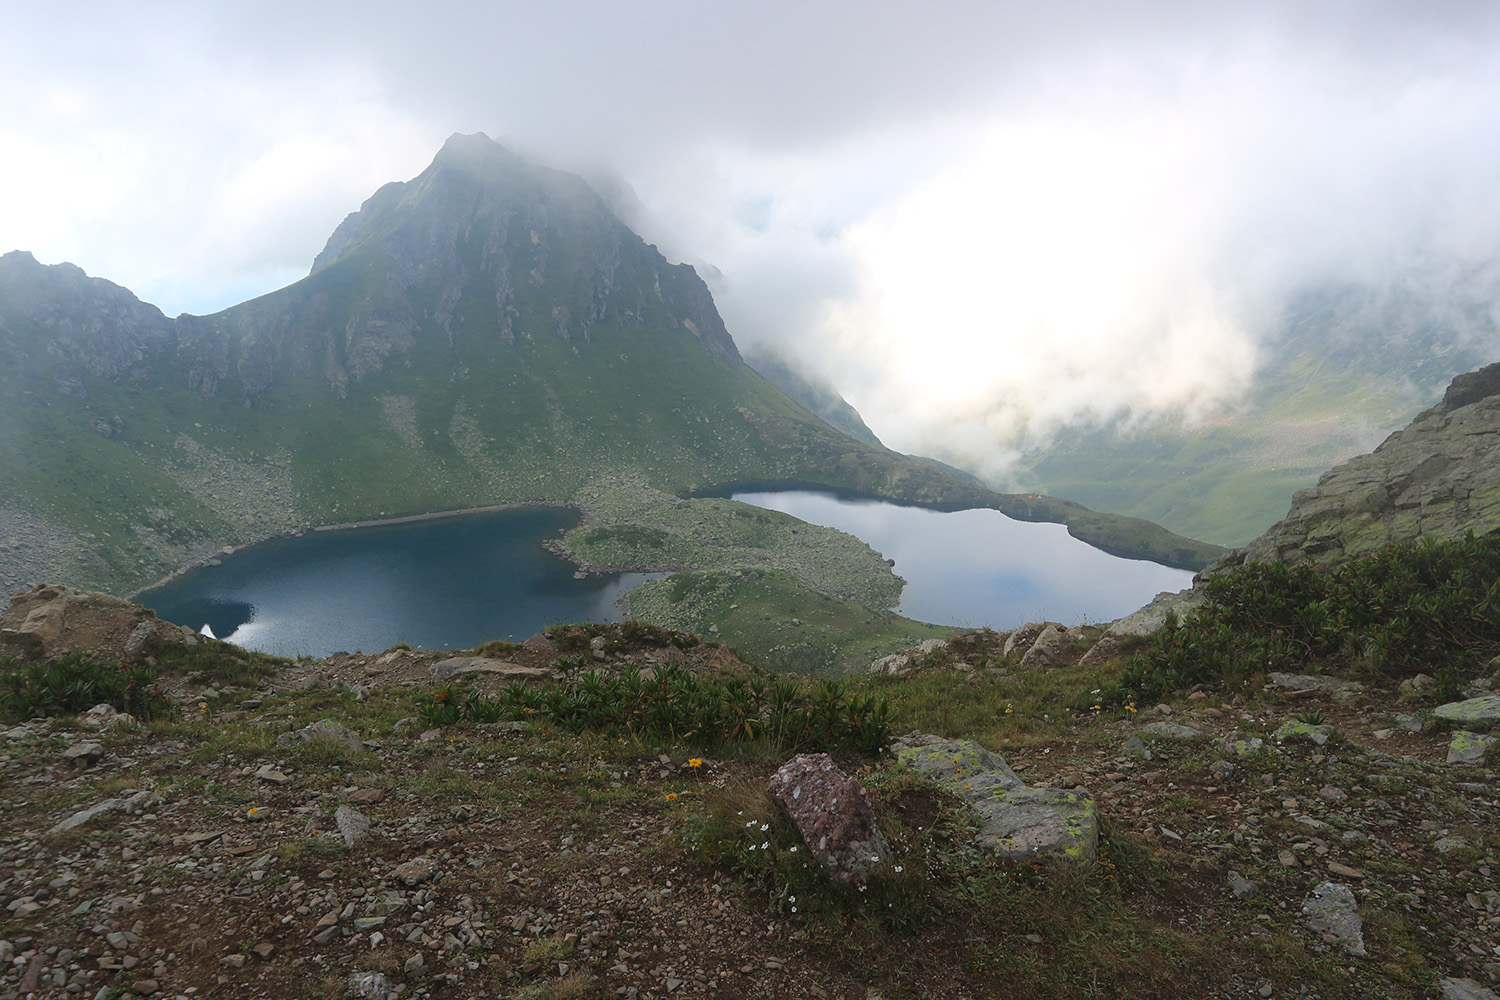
x=1413, y=607
x=76, y=683
x=668, y=704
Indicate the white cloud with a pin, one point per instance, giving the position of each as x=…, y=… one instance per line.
x=978, y=219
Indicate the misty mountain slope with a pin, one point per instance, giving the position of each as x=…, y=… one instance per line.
x=817, y=395
x=1348, y=368
x=485, y=333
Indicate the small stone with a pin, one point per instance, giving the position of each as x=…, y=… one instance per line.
x=1136, y=747
x=1411, y=723
x=1242, y=887
x=362, y=924
x=1243, y=746
x=413, y=965
x=269, y=774
x=1303, y=732
x=1169, y=730
x=1332, y=912
x=86, y=754
x=353, y=825
x=233, y=961
x=369, y=985
x=1345, y=870
x=415, y=872
x=1221, y=769
x=1448, y=845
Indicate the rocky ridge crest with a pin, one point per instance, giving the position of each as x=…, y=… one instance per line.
x=1437, y=478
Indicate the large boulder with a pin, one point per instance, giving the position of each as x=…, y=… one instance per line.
x=455, y=667
x=48, y=621
x=1016, y=820
x=833, y=815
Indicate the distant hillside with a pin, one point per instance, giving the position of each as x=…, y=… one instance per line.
x=1348, y=368
x=485, y=333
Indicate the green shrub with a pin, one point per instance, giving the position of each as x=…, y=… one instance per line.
x=1421, y=606
x=76, y=683
x=675, y=705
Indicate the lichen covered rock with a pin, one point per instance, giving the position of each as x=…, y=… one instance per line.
x=1016, y=820
x=1474, y=713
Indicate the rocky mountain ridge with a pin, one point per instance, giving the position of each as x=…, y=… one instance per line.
x=1437, y=478
x=486, y=333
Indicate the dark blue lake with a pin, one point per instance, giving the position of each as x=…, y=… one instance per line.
x=446, y=583
x=979, y=567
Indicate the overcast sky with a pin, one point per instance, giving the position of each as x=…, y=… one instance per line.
x=978, y=219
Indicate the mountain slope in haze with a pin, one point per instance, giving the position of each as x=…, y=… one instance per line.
x=815, y=394
x=486, y=333
x=1349, y=367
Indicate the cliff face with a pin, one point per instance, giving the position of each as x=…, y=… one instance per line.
x=1439, y=477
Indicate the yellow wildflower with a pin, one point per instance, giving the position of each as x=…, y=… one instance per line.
x=695, y=762
x=671, y=796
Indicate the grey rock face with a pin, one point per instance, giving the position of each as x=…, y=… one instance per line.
x=1437, y=478
x=1016, y=821
x=470, y=666
x=1465, y=989
x=833, y=815
x=1333, y=913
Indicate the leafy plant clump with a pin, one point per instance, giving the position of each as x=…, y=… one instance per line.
x=76, y=683
x=670, y=704
x=1411, y=607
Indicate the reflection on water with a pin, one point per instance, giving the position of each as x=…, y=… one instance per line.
x=439, y=584
x=979, y=567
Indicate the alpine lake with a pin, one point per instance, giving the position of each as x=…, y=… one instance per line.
x=457, y=581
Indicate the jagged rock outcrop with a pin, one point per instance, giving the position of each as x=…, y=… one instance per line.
x=1437, y=478
x=47, y=622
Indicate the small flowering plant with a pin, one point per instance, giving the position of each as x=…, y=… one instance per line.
x=742, y=830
